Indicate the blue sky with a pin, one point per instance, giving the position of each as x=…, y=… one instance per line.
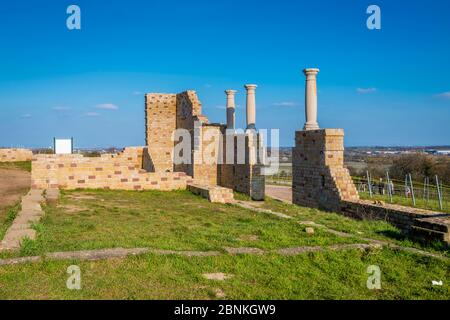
x=384, y=87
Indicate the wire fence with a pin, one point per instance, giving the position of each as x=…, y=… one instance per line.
x=279, y=179
x=430, y=194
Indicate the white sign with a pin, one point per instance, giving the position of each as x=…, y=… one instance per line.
x=63, y=146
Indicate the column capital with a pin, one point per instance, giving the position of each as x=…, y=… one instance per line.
x=250, y=87
x=311, y=71
x=230, y=92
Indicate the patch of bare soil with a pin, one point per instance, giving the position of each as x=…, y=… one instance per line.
x=81, y=197
x=69, y=208
x=219, y=276
x=13, y=184
x=249, y=237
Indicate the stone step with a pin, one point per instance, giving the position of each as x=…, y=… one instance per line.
x=27, y=219
x=28, y=205
x=19, y=226
x=52, y=195
x=214, y=194
x=19, y=235
x=429, y=234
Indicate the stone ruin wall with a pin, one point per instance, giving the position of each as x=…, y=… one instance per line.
x=245, y=178
x=152, y=166
x=15, y=155
x=320, y=179
x=160, y=116
x=121, y=171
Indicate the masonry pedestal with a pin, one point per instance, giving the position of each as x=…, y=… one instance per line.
x=320, y=179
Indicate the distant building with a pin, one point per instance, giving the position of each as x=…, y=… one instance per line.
x=438, y=152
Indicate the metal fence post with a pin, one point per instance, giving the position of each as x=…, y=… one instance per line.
x=412, y=190
x=389, y=186
x=369, y=183
x=439, y=193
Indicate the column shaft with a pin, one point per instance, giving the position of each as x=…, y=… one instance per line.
x=251, y=106
x=311, y=99
x=230, y=109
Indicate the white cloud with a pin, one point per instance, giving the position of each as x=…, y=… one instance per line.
x=107, y=106
x=366, y=90
x=26, y=115
x=445, y=95
x=224, y=107
x=286, y=104
x=92, y=114
x=137, y=93
x=208, y=85
x=60, y=108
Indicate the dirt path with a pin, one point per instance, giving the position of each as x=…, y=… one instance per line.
x=279, y=192
x=13, y=184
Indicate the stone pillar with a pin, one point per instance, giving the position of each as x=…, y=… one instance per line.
x=251, y=106
x=320, y=179
x=311, y=99
x=230, y=109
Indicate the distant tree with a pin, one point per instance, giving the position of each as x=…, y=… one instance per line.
x=421, y=166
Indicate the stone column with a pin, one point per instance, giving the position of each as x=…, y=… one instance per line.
x=311, y=99
x=251, y=106
x=230, y=109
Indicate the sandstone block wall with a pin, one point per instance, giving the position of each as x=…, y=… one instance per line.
x=213, y=193
x=121, y=172
x=418, y=223
x=320, y=179
x=15, y=155
x=167, y=112
x=246, y=177
x=160, y=114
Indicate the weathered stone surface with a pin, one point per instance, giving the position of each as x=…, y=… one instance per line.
x=235, y=251
x=320, y=179
x=214, y=194
x=218, y=276
x=96, y=254
x=15, y=155
x=420, y=224
x=21, y=227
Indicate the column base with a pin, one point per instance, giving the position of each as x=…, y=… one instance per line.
x=311, y=126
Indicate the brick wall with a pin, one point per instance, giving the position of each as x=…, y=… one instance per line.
x=122, y=172
x=15, y=155
x=320, y=179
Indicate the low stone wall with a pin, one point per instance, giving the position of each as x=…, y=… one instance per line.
x=122, y=171
x=418, y=223
x=214, y=194
x=15, y=155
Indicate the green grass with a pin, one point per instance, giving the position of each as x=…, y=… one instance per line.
x=94, y=219
x=326, y=275
x=7, y=216
x=379, y=230
x=164, y=220
x=431, y=204
x=22, y=165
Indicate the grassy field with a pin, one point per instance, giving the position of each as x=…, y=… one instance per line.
x=164, y=220
x=22, y=165
x=181, y=221
x=7, y=216
x=401, y=200
x=328, y=275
